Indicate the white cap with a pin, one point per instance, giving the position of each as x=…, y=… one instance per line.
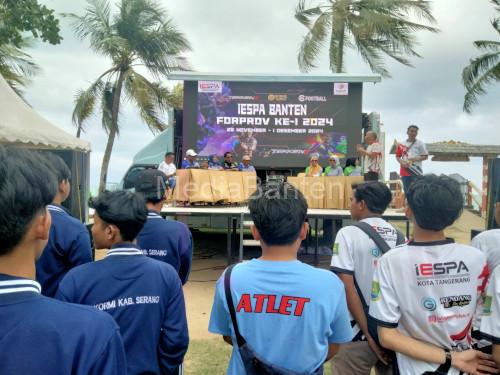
x=191, y=152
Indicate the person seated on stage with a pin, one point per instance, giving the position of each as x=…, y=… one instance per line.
x=314, y=169
x=167, y=240
x=40, y=335
x=69, y=240
x=424, y=294
x=229, y=164
x=144, y=295
x=334, y=168
x=190, y=161
x=204, y=164
x=352, y=167
x=214, y=163
x=245, y=165
x=168, y=167
x=280, y=302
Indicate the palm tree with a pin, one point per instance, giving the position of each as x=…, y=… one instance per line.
x=483, y=70
x=374, y=28
x=16, y=66
x=139, y=34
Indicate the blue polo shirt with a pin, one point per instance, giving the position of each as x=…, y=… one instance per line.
x=40, y=335
x=144, y=296
x=186, y=164
x=288, y=312
x=68, y=247
x=169, y=241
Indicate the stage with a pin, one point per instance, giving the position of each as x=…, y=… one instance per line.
x=236, y=218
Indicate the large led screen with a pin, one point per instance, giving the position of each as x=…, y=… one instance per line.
x=278, y=124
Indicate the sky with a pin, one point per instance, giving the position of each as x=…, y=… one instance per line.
x=262, y=36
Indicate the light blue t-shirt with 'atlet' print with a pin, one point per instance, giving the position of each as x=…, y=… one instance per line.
x=289, y=312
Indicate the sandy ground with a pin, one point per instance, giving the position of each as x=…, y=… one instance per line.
x=205, y=271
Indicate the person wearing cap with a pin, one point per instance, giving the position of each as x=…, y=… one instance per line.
x=143, y=295
x=190, y=161
x=245, y=165
x=314, y=169
x=40, y=335
x=166, y=240
x=229, y=164
x=333, y=169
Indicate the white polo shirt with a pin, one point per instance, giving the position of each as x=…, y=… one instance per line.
x=429, y=291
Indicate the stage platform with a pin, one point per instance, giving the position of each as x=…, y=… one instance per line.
x=236, y=217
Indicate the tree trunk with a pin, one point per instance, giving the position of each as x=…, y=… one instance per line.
x=78, y=132
x=340, y=55
x=112, y=132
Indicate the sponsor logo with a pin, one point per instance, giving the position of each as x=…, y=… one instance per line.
x=438, y=319
x=429, y=303
x=314, y=98
x=375, y=294
x=277, y=97
x=456, y=301
x=244, y=97
x=487, y=301
x=447, y=273
x=335, y=249
x=210, y=86
x=340, y=88
x=376, y=252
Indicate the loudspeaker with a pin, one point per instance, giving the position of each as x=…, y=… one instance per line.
x=493, y=191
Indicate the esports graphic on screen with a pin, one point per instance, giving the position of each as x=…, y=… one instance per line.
x=278, y=124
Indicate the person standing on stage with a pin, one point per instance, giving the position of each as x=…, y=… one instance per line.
x=410, y=155
x=372, y=156
x=69, y=240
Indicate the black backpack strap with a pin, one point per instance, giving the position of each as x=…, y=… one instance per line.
x=373, y=234
x=400, y=239
x=229, y=299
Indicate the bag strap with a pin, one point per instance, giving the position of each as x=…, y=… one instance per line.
x=373, y=234
x=229, y=299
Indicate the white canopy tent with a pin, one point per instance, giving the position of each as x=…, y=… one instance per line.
x=22, y=126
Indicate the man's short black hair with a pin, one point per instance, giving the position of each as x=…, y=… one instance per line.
x=169, y=154
x=412, y=126
x=278, y=211
x=227, y=152
x=152, y=184
x=27, y=186
x=436, y=201
x=375, y=194
x=124, y=209
x=58, y=166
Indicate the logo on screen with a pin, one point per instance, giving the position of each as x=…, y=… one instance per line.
x=277, y=97
x=210, y=86
x=340, y=88
x=315, y=98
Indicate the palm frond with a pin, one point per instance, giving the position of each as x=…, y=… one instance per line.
x=313, y=41
x=487, y=45
x=304, y=15
x=150, y=98
x=85, y=101
x=16, y=66
x=480, y=73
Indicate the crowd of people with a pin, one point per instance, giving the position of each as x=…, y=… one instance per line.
x=213, y=162
x=352, y=167
x=423, y=305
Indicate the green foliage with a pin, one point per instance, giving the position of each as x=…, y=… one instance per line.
x=18, y=16
x=373, y=27
x=16, y=66
x=138, y=34
x=483, y=70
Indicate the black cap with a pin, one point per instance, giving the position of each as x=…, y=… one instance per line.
x=151, y=182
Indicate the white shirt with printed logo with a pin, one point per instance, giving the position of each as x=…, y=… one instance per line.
x=429, y=291
x=356, y=254
x=490, y=320
x=372, y=164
